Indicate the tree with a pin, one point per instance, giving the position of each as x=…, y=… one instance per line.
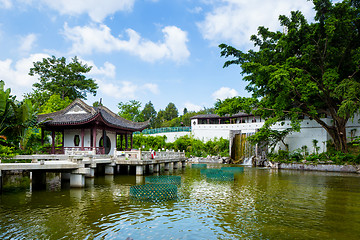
x=38, y=98
x=55, y=103
x=5, y=103
x=97, y=104
x=311, y=69
x=67, y=80
x=149, y=112
x=16, y=117
x=170, y=112
x=130, y=110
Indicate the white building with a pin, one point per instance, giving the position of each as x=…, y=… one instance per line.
x=210, y=126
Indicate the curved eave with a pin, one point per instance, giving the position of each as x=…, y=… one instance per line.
x=100, y=118
x=142, y=126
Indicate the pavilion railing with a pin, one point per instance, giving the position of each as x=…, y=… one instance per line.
x=76, y=150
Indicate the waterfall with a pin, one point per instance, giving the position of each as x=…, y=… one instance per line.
x=247, y=161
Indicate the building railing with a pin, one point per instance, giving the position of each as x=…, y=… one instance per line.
x=164, y=130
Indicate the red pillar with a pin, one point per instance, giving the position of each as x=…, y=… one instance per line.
x=121, y=142
x=42, y=136
x=82, y=139
x=126, y=142
x=94, y=137
x=53, y=142
x=131, y=139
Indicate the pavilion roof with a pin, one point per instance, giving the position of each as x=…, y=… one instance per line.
x=79, y=113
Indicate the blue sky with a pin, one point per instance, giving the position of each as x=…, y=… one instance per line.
x=151, y=50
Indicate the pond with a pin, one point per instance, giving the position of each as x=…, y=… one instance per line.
x=257, y=204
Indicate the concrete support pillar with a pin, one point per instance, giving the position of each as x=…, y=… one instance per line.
x=167, y=166
x=1, y=181
x=156, y=167
x=38, y=180
x=91, y=174
x=139, y=180
x=176, y=164
x=109, y=170
x=77, y=180
x=151, y=169
x=65, y=176
x=183, y=163
x=139, y=170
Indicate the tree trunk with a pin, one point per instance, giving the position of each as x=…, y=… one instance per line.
x=338, y=134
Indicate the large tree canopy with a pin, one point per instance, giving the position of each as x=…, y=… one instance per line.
x=130, y=110
x=310, y=69
x=65, y=79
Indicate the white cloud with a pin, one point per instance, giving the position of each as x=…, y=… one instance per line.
x=192, y=107
x=6, y=4
x=88, y=39
x=234, y=21
x=27, y=42
x=126, y=89
x=108, y=70
x=224, y=92
x=97, y=10
x=195, y=10
x=16, y=75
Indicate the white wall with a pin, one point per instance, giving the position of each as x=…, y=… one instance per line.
x=70, y=134
x=170, y=136
x=310, y=130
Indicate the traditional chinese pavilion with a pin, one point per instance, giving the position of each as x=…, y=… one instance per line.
x=84, y=127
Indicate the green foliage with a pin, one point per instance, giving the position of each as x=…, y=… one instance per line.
x=55, y=103
x=170, y=112
x=195, y=147
x=149, y=142
x=192, y=146
x=234, y=105
x=310, y=69
x=38, y=98
x=130, y=110
x=149, y=112
x=6, y=153
x=65, y=79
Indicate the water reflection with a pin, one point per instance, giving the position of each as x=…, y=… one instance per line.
x=258, y=204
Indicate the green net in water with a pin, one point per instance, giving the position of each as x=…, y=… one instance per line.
x=164, y=179
x=198, y=165
x=233, y=169
x=220, y=176
x=210, y=170
x=154, y=192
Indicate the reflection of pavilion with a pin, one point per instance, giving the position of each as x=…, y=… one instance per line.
x=84, y=128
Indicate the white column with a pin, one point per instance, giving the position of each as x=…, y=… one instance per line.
x=139, y=170
x=156, y=167
x=77, y=180
x=151, y=169
x=176, y=165
x=109, y=170
x=166, y=166
x=91, y=174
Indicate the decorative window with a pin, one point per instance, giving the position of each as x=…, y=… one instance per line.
x=108, y=144
x=76, y=140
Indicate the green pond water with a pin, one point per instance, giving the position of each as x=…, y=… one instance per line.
x=258, y=204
